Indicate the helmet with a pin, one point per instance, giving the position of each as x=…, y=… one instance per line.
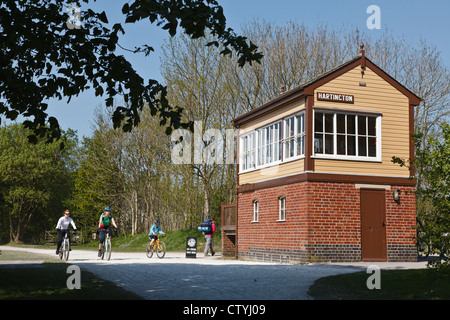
x=156, y=221
x=108, y=209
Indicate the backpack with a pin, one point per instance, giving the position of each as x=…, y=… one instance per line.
x=206, y=226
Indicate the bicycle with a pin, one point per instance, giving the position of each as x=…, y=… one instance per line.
x=65, y=247
x=423, y=243
x=425, y=247
x=158, y=246
x=106, y=249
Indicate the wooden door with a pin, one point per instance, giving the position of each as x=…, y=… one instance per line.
x=373, y=225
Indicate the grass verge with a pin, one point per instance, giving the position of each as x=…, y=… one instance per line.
x=47, y=281
x=415, y=284
x=174, y=240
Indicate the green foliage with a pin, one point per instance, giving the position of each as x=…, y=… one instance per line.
x=44, y=58
x=432, y=166
x=34, y=182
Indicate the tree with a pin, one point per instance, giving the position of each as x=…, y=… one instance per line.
x=130, y=171
x=195, y=77
x=34, y=181
x=41, y=56
x=432, y=167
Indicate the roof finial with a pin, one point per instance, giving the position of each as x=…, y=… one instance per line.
x=363, y=59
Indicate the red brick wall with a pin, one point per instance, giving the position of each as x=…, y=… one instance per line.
x=322, y=223
x=401, y=216
x=334, y=213
x=289, y=234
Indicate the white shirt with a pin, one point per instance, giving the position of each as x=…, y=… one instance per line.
x=63, y=223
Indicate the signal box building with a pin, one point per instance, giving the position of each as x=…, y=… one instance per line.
x=315, y=178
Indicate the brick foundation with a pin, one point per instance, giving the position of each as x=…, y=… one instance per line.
x=322, y=224
x=228, y=244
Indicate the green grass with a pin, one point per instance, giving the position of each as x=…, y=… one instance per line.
x=421, y=284
x=48, y=282
x=174, y=240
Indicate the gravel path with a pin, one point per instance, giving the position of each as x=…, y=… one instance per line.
x=176, y=277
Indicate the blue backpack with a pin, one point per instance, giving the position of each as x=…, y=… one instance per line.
x=206, y=226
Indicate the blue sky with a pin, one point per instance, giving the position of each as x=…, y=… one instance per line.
x=411, y=19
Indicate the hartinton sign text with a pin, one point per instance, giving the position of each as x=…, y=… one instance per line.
x=335, y=97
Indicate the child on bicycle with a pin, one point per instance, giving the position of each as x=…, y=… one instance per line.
x=154, y=230
x=62, y=227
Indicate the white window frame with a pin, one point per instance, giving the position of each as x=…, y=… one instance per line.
x=357, y=135
x=296, y=139
x=270, y=144
x=248, y=151
x=255, y=211
x=281, y=209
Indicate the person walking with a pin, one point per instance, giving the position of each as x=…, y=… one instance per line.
x=209, y=239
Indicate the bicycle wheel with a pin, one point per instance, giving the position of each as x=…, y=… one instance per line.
x=108, y=248
x=61, y=251
x=66, y=249
x=161, y=250
x=149, y=250
x=424, y=249
x=102, y=255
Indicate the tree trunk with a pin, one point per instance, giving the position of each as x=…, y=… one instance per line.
x=134, y=213
x=206, y=210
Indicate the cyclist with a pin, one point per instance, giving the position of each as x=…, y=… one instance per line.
x=62, y=227
x=154, y=230
x=104, y=225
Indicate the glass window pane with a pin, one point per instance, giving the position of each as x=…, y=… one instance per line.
x=318, y=143
x=329, y=144
x=350, y=124
x=341, y=123
x=341, y=144
x=372, y=129
x=372, y=147
x=292, y=126
x=329, y=122
x=351, y=146
x=280, y=134
x=291, y=148
x=362, y=125
x=301, y=145
x=301, y=123
x=318, y=122
x=362, y=146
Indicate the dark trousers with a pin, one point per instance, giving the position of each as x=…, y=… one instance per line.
x=61, y=234
x=103, y=232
